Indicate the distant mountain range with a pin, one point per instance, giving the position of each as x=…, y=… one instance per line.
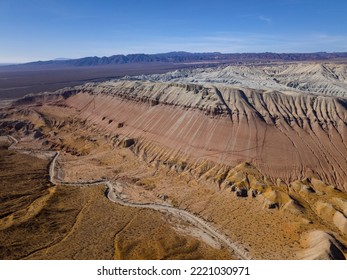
x=186, y=57
x=5, y=64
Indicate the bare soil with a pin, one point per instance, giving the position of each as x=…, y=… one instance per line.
x=41, y=221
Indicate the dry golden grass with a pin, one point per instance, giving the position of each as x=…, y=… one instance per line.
x=64, y=222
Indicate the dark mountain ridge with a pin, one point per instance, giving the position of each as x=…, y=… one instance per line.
x=186, y=57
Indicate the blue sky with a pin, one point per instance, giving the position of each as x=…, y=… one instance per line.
x=47, y=29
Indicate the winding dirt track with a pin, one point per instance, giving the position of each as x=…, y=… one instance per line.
x=114, y=196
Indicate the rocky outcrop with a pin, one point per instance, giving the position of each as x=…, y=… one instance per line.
x=285, y=136
x=314, y=78
x=320, y=245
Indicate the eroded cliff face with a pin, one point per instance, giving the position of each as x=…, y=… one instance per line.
x=314, y=78
x=286, y=136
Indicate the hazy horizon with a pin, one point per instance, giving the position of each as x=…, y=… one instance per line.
x=45, y=30
x=125, y=54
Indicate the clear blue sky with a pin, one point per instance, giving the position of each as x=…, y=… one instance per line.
x=47, y=29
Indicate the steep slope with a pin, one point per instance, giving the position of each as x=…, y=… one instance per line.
x=285, y=136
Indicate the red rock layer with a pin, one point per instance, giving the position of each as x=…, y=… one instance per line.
x=285, y=136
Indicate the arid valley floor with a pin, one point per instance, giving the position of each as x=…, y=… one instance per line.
x=228, y=162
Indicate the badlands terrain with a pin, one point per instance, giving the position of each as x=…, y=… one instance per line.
x=228, y=162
